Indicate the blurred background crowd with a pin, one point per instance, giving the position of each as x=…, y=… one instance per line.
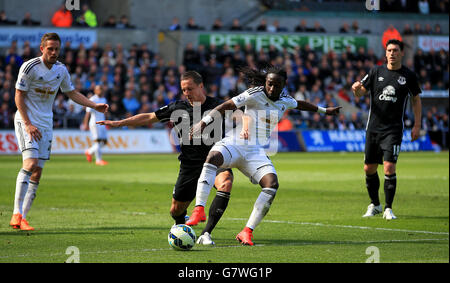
x=138, y=79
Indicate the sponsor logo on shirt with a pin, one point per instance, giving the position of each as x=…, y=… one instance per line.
x=388, y=94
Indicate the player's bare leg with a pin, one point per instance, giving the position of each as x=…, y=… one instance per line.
x=178, y=210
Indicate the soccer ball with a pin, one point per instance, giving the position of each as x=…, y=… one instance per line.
x=181, y=237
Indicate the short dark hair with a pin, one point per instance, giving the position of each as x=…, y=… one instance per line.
x=50, y=36
x=195, y=76
x=396, y=42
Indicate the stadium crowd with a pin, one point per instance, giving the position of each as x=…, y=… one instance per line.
x=138, y=80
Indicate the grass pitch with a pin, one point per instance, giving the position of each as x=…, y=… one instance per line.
x=120, y=212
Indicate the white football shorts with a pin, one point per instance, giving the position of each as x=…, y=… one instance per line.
x=251, y=160
x=98, y=132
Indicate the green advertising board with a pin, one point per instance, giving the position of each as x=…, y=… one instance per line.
x=319, y=42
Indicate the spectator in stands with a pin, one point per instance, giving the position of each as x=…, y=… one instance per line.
x=301, y=27
x=191, y=25
x=318, y=28
x=175, y=24
x=236, y=25
x=428, y=29
x=262, y=26
x=390, y=33
x=87, y=17
x=6, y=116
x=341, y=122
x=424, y=7
x=110, y=22
x=27, y=21
x=4, y=19
x=345, y=28
x=437, y=29
x=124, y=23
x=355, y=28
x=417, y=29
x=285, y=124
x=407, y=30
x=227, y=83
x=62, y=18
x=130, y=103
x=355, y=122
x=217, y=25
x=431, y=125
x=316, y=122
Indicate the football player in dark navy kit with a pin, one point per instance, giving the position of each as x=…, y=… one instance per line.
x=193, y=153
x=389, y=86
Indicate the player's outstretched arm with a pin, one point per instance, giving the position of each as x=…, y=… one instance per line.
x=219, y=111
x=83, y=100
x=306, y=106
x=135, y=121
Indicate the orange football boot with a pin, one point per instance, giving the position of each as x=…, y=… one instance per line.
x=15, y=220
x=101, y=163
x=198, y=215
x=245, y=237
x=88, y=155
x=24, y=226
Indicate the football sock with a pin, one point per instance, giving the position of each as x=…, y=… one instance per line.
x=22, y=181
x=373, y=185
x=29, y=197
x=93, y=149
x=218, y=207
x=390, y=185
x=261, y=207
x=180, y=218
x=205, y=183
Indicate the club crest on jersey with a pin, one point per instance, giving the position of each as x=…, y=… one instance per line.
x=401, y=80
x=380, y=79
x=388, y=94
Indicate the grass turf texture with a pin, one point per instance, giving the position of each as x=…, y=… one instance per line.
x=120, y=212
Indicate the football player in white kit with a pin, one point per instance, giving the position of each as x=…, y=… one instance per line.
x=37, y=84
x=98, y=132
x=265, y=105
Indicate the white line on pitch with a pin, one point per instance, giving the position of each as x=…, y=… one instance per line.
x=344, y=226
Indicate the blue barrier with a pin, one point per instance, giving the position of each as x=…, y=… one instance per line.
x=354, y=141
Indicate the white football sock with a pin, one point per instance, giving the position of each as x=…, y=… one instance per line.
x=205, y=183
x=98, y=151
x=93, y=148
x=29, y=197
x=22, y=181
x=261, y=207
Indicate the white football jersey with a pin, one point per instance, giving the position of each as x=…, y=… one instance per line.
x=42, y=85
x=95, y=115
x=264, y=113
